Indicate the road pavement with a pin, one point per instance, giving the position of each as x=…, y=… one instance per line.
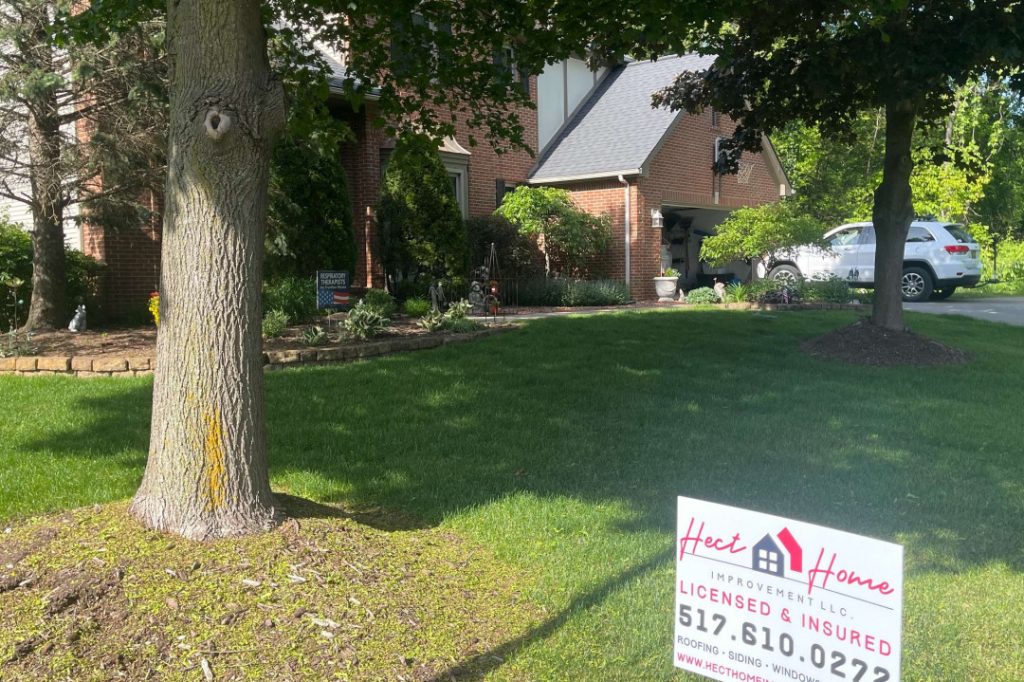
x=1008, y=310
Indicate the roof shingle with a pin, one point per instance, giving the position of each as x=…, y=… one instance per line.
x=616, y=128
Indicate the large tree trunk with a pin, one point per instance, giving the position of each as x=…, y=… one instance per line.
x=892, y=214
x=207, y=471
x=46, y=310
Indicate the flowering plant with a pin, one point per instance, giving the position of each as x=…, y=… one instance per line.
x=154, y=307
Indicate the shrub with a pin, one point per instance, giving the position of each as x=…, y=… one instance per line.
x=416, y=307
x=309, y=218
x=595, y=293
x=568, y=236
x=380, y=301
x=274, y=324
x=421, y=228
x=754, y=231
x=83, y=275
x=15, y=250
x=571, y=293
x=363, y=322
x=830, y=289
x=701, y=296
x=517, y=254
x=294, y=296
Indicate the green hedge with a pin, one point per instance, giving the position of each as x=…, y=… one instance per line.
x=572, y=292
x=84, y=275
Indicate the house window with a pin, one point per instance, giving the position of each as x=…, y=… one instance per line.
x=505, y=62
x=458, y=176
x=501, y=188
x=714, y=117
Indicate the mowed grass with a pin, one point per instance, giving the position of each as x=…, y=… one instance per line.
x=561, y=448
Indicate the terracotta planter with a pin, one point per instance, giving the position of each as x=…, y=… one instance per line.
x=666, y=287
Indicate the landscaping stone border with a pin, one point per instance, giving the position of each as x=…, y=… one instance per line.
x=84, y=366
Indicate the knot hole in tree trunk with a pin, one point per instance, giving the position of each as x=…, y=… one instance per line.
x=217, y=123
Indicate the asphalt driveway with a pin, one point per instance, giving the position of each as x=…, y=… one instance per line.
x=1008, y=310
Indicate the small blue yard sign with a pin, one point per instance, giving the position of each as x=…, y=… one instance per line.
x=332, y=289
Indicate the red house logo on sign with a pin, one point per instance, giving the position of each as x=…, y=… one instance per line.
x=769, y=557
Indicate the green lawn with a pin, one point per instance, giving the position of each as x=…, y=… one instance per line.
x=561, y=447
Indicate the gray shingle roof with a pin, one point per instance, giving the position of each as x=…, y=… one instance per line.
x=616, y=128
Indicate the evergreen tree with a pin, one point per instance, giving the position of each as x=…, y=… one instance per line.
x=69, y=113
x=421, y=227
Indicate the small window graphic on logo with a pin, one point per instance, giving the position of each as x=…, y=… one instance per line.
x=769, y=557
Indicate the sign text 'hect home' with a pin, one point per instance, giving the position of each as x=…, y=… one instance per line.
x=760, y=598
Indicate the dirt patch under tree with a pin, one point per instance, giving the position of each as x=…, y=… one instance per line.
x=863, y=343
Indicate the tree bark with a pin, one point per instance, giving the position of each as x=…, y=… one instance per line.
x=892, y=214
x=46, y=309
x=207, y=475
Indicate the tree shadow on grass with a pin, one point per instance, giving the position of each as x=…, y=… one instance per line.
x=477, y=667
x=638, y=408
x=609, y=418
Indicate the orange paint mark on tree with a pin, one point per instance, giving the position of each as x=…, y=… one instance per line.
x=213, y=449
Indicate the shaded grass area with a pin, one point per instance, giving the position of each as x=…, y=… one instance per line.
x=561, y=448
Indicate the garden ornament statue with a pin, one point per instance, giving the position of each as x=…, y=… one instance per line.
x=720, y=290
x=78, y=321
x=476, y=298
x=437, y=302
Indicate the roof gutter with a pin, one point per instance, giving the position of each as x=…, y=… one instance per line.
x=606, y=175
x=626, y=222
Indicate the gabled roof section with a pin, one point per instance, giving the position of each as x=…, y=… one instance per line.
x=616, y=130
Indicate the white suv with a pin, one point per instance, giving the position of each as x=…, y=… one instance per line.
x=938, y=258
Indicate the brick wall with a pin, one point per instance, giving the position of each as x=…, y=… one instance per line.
x=601, y=197
x=678, y=175
x=132, y=257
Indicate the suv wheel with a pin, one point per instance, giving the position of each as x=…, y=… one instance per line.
x=916, y=284
x=787, y=274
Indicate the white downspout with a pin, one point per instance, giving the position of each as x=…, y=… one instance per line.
x=626, y=222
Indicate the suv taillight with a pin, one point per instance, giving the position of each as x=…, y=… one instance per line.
x=957, y=248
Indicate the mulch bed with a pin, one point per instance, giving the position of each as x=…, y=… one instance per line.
x=141, y=341
x=863, y=343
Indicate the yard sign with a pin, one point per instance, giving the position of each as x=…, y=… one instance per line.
x=332, y=289
x=760, y=598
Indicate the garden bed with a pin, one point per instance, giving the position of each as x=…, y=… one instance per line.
x=132, y=351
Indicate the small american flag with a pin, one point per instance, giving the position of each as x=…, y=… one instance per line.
x=331, y=298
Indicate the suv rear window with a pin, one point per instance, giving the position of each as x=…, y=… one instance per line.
x=960, y=234
x=919, y=234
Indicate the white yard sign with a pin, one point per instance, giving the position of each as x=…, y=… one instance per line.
x=760, y=598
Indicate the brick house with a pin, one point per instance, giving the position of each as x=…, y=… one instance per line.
x=596, y=135
x=649, y=169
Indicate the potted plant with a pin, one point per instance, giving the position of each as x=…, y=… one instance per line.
x=666, y=284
